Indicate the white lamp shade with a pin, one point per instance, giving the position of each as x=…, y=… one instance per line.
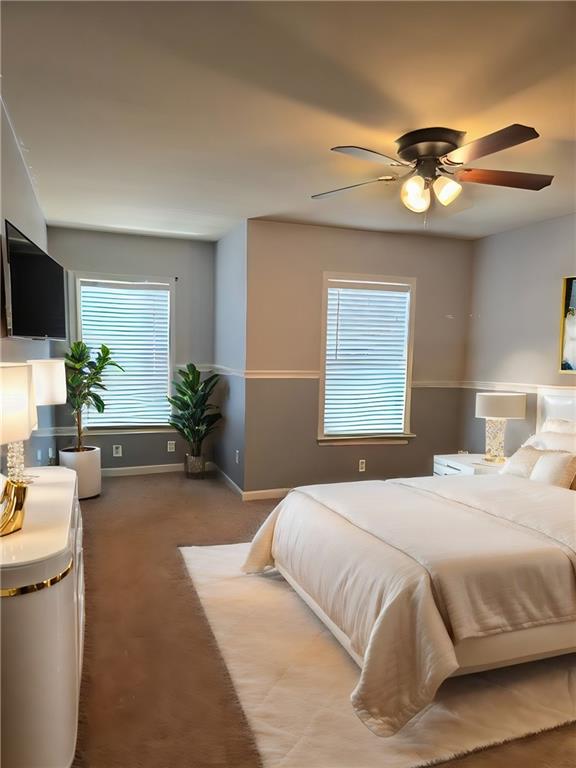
x=49, y=377
x=17, y=406
x=500, y=405
x=415, y=194
x=446, y=190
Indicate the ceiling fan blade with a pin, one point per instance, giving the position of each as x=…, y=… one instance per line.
x=369, y=154
x=493, y=142
x=514, y=179
x=352, y=186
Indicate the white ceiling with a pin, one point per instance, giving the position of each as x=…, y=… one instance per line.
x=184, y=118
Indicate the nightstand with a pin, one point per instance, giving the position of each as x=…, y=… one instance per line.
x=464, y=464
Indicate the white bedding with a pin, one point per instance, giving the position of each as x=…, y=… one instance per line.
x=406, y=568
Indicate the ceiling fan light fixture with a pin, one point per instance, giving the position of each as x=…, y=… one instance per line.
x=446, y=190
x=415, y=194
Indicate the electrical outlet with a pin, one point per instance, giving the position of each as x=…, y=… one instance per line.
x=171, y=446
x=51, y=456
x=116, y=451
x=39, y=455
x=362, y=465
x=237, y=456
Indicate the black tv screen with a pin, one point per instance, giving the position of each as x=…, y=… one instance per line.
x=36, y=291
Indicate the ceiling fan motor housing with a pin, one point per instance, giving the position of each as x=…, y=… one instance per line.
x=428, y=143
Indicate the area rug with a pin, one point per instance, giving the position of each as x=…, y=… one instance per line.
x=294, y=681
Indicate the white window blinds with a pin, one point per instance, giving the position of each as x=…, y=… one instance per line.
x=366, y=366
x=133, y=319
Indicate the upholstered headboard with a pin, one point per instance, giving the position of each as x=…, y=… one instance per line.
x=556, y=403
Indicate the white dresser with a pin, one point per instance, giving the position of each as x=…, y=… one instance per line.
x=464, y=464
x=42, y=625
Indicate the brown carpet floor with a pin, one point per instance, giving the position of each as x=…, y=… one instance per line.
x=155, y=692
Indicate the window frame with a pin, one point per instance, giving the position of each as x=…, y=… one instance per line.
x=76, y=279
x=355, y=280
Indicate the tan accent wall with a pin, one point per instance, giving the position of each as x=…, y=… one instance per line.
x=285, y=266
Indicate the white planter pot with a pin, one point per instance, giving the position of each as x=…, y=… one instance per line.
x=87, y=465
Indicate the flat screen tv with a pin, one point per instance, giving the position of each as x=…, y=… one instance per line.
x=35, y=289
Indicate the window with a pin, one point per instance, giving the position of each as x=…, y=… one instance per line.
x=365, y=381
x=133, y=319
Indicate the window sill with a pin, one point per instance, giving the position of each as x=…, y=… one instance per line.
x=403, y=439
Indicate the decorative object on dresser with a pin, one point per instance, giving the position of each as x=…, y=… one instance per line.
x=194, y=418
x=568, y=326
x=84, y=380
x=42, y=626
x=464, y=464
x=496, y=408
x=17, y=419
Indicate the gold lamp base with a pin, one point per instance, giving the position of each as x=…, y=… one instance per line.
x=12, y=507
x=495, y=459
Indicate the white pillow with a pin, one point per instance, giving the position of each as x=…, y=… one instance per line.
x=555, y=468
x=553, y=441
x=522, y=462
x=559, y=425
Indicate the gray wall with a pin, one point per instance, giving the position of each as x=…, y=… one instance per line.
x=141, y=255
x=285, y=266
x=230, y=349
x=191, y=261
x=517, y=292
x=515, y=323
x=230, y=300
x=229, y=440
x=18, y=204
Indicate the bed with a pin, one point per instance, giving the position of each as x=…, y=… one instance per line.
x=421, y=579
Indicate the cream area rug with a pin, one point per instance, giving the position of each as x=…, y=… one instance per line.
x=294, y=681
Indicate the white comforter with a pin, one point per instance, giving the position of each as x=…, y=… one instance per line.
x=406, y=568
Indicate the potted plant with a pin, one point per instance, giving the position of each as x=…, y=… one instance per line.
x=194, y=417
x=83, y=380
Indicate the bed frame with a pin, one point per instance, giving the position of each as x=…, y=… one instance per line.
x=476, y=654
x=508, y=648
x=555, y=403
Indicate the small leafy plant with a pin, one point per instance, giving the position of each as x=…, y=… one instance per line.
x=194, y=417
x=83, y=379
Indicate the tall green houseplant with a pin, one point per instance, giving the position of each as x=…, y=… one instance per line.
x=84, y=382
x=194, y=417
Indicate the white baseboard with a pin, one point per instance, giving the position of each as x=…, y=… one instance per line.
x=153, y=469
x=145, y=469
x=266, y=493
x=229, y=482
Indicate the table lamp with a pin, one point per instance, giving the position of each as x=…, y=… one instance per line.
x=497, y=408
x=17, y=417
x=49, y=380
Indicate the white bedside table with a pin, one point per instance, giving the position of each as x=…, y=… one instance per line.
x=464, y=464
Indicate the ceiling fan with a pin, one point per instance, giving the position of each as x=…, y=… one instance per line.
x=434, y=160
